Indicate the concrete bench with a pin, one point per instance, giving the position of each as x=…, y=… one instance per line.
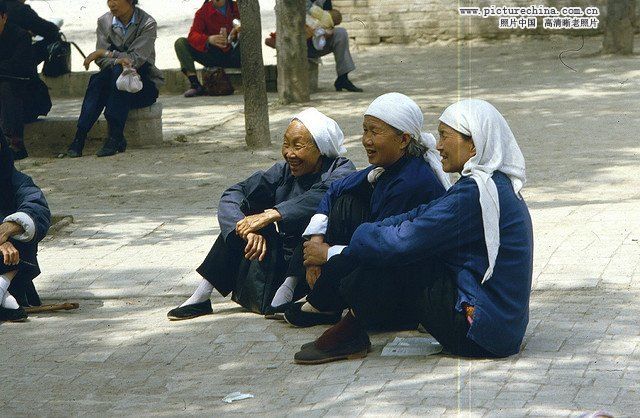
x=52, y=135
x=75, y=84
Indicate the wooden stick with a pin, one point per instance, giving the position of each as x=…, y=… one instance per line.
x=53, y=307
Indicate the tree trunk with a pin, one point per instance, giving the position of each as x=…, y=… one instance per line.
x=256, y=106
x=618, y=36
x=291, y=43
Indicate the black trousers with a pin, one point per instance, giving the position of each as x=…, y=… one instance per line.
x=347, y=213
x=22, y=287
x=102, y=94
x=424, y=292
x=253, y=283
x=22, y=102
x=214, y=57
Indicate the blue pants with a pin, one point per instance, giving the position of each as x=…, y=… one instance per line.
x=102, y=94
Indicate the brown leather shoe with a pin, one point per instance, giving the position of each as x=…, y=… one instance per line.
x=355, y=348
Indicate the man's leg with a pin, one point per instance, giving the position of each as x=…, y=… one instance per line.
x=339, y=45
x=187, y=56
x=95, y=99
x=10, y=310
x=116, y=112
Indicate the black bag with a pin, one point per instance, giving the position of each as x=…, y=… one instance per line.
x=258, y=281
x=58, y=61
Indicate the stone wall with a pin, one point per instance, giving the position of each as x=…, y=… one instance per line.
x=399, y=21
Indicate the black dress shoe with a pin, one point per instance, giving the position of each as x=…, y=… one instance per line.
x=75, y=149
x=111, y=147
x=19, y=153
x=349, y=350
x=310, y=344
x=299, y=318
x=276, y=312
x=343, y=82
x=13, y=315
x=190, y=311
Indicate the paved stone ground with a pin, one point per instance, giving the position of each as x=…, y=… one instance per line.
x=145, y=219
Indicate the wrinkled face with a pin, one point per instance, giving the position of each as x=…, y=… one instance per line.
x=454, y=148
x=300, y=150
x=119, y=7
x=384, y=146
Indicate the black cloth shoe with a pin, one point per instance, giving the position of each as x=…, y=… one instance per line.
x=111, y=147
x=343, y=82
x=349, y=350
x=75, y=149
x=299, y=318
x=277, y=312
x=18, y=149
x=190, y=311
x=13, y=315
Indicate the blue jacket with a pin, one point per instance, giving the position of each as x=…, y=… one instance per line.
x=450, y=230
x=26, y=197
x=403, y=186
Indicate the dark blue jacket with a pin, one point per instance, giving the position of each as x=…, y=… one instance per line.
x=406, y=184
x=450, y=230
x=28, y=198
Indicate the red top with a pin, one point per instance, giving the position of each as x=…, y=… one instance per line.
x=208, y=21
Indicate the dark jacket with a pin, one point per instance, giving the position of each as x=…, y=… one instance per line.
x=23, y=15
x=208, y=21
x=295, y=198
x=450, y=231
x=15, y=52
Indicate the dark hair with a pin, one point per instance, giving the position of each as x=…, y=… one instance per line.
x=134, y=2
x=3, y=7
x=414, y=148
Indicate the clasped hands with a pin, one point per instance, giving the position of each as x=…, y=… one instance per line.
x=315, y=255
x=247, y=229
x=10, y=254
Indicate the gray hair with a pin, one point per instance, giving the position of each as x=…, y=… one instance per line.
x=415, y=148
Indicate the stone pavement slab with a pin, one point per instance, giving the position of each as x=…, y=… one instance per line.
x=145, y=219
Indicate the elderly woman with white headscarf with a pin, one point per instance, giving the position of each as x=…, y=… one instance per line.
x=250, y=255
x=405, y=172
x=463, y=263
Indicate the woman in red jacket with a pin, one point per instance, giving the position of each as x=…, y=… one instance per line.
x=212, y=41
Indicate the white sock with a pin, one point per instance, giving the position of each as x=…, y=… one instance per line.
x=9, y=302
x=6, y=300
x=284, y=294
x=202, y=293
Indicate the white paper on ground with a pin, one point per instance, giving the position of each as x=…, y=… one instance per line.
x=411, y=346
x=236, y=396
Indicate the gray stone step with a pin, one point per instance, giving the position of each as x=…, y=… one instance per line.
x=52, y=135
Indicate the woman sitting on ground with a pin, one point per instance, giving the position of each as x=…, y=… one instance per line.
x=250, y=256
x=461, y=264
x=212, y=42
x=398, y=180
x=126, y=37
x=24, y=221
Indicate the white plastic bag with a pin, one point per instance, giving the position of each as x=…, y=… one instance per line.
x=129, y=80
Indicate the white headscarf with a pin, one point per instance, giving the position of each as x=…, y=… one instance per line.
x=496, y=150
x=324, y=130
x=404, y=114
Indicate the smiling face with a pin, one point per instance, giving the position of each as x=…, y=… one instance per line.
x=300, y=150
x=383, y=144
x=455, y=148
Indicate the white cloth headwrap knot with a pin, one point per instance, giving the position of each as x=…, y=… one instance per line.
x=496, y=150
x=325, y=131
x=404, y=114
